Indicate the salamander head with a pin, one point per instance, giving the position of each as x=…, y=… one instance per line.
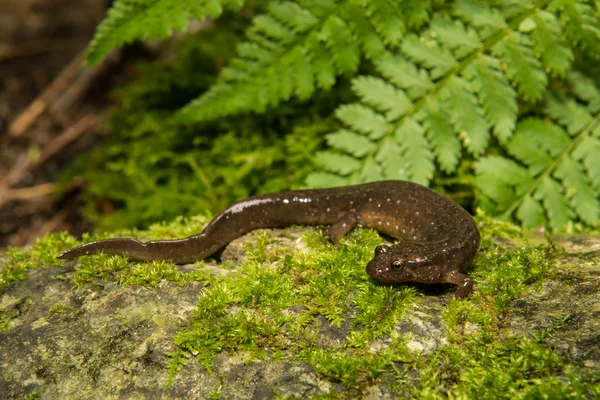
x=400, y=263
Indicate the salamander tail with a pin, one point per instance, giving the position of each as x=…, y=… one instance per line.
x=121, y=246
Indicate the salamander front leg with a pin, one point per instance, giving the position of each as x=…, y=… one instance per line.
x=342, y=226
x=463, y=282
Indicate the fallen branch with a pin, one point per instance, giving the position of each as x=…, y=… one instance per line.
x=24, y=165
x=39, y=105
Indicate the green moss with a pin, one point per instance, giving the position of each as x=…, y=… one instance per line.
x=281, y=305
x=509, y=369
x=41, y=254
x=34, y=395
x=58, y=309
x=317, y=306
x=5, y=317
x=501, y=277
x=126, y=272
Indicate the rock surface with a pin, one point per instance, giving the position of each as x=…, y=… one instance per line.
x=106, y=341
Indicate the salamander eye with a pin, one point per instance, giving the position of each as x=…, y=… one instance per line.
x=397, y=264
x=381, y=249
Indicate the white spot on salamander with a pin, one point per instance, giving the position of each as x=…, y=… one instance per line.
x=237, y=208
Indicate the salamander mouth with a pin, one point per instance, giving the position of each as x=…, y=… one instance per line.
x=379, y=271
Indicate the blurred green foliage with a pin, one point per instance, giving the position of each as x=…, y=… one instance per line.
x=151, y=168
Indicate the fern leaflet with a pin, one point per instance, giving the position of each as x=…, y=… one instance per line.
x=444, y=90
x=560, y=156
x=130, y=20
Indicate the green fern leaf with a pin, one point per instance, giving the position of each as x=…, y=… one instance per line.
x=370, y=171
x=340, y=41
x=370, y=40
x=130, y=20
x=550, y=193
x=480, y=15
x=389, y=157
x=466, y=115
x=322, y=63
x=505, y=170
x=387, y=18
x=588, y=152
x=455, y=36
x=405, y=75
x=498, y=98
x=581, y=195
x=338, y=163
x=581, y=22
x=350, y=142
x=549, y=43
x=324, y=180
x=417, y=12
x=426, y=52
x=531, y=213
x=585, y=89
x=299, y=18
x=302, y=74
x=536, y=143
x=495, y=188
x=522, y=67
x=568, y=112
x=440, y=133
x=415, y=151
x=363, y=119
x=273, y=29
x=382, y=96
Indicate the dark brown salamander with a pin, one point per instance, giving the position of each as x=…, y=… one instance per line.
x=437, y=237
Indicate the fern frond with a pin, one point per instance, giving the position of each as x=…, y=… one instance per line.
x=130, y=20
x=585, y=89
x=531, y=213
x=335, y=162
x=454, y=35
x=370, y=39
x=498, y=98
x=551, y=194
x=581, y=22
x=454, y=82
x=428, y=53
x=415, y=151
x=416, y=82
x=561, y=160
x=342, y=45
x=389, y=156
x=582, y=197
x=350, y=142
x=522, y=66
x=300, y=47
x=385, y=15
x=363, y=119
x=549, y=43
x=466, y=115
x=440, y=133
x=497, y=177
x=382, y=96
x=489, y=20
x=536, y=143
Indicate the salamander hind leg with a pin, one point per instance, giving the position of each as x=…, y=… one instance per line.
x=463, y=282
x=342, y=226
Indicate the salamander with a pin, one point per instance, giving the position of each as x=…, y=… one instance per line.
x=437, y=238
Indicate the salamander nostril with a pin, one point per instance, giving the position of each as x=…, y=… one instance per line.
x=381, y=249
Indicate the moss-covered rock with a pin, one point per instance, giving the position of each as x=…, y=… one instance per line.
x=288, y=315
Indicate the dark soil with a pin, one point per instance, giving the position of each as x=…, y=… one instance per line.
x=41, y=41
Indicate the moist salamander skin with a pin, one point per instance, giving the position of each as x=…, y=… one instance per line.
x=437, y=238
